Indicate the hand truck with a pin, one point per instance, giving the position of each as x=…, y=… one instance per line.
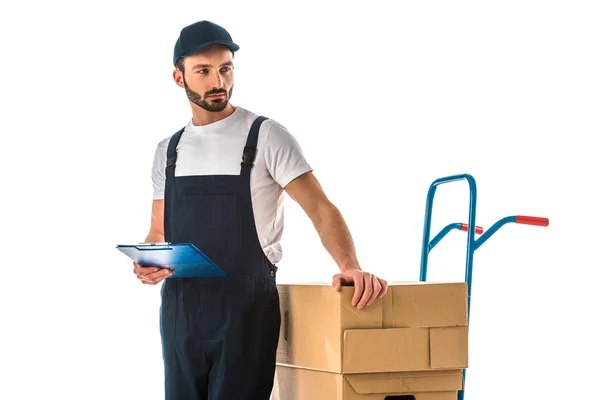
x=471, y=229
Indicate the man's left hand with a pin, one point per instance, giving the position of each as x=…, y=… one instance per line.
x=367, y=287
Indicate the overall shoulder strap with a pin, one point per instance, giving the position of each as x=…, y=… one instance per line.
x=249, y=154
x=172, y=150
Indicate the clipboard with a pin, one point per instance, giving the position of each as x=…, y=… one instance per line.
x=184, y=259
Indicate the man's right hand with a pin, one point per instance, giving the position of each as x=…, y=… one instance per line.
x=150, y=275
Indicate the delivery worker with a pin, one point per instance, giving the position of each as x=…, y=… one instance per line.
x=219, y=183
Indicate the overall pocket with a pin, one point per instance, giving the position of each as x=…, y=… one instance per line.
x=212, y=224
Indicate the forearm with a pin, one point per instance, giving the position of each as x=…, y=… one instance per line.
x=336, y=238
x=156, y=232
x=155, y=237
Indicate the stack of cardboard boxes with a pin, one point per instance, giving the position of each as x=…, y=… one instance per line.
x=410, y=345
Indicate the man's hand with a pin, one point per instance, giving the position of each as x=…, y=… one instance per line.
x=367, y=286
x=150, y=275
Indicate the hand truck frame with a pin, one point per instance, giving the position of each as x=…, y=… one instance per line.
x=472, y=243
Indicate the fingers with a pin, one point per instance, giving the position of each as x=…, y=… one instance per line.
x=367, y=287
x=368, y=290
x=151, y=275
x=139, y=270
x=340, y=279
x=155, y=277
x=384, y=287
x=376, y=290
x=337, y=282
x=359, y=286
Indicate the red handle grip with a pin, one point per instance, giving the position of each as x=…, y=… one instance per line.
x=521, y=219
x=465, y=227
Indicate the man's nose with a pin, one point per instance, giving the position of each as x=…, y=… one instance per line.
x=218, y=81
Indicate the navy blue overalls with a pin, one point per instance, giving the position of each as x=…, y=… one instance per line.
x=219, y=335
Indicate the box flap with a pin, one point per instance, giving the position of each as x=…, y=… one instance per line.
x=419, y=305
x=310, y=328
x=406, y=382
x=352, y=318
x=297, y=384
x=385, y=350
x=449, y=347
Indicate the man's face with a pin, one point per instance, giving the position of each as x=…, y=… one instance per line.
x=208, y=78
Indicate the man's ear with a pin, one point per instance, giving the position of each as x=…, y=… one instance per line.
x=178, y=78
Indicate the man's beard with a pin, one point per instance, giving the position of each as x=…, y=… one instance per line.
x=214, y=105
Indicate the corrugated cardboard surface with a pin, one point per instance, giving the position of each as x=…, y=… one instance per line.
x=301, y=384
x=425, y=304
x=404, y=349
x=417, y=326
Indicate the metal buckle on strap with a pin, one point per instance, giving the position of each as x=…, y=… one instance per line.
x=171, y=160
x=249, y=156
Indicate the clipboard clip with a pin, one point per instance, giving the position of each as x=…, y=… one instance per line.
x=154, y=246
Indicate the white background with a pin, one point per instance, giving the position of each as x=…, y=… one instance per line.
x=384, y=97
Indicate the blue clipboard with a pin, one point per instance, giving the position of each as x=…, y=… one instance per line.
x=184, y=259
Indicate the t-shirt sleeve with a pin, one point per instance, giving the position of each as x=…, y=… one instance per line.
x=283, y=155
x=158, y=171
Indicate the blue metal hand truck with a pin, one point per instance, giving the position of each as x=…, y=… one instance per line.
x=472, y=243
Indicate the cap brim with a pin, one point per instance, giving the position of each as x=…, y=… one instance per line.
x=232, y=46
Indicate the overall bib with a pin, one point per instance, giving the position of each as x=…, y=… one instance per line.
x=219, y=335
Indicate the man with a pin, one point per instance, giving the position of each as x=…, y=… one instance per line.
x=219, y=183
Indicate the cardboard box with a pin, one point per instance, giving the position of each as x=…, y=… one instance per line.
x=293, y=383
x=417, y=326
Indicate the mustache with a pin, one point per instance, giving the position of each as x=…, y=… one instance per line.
x=220, y=91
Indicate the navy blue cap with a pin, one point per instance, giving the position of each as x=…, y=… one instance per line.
x=199, y=35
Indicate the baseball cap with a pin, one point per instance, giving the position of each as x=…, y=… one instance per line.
x=199, y=35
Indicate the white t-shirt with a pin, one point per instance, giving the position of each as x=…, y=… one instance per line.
x=217, y=149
